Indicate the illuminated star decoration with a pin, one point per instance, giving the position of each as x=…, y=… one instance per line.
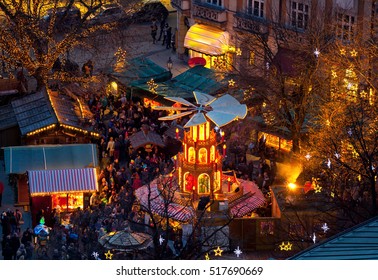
x=343, y=52
x=120, y=54
x=218, y=251
x=161, y=240
x=308, y=156
x=332, y=194
x=108, y=255
x=318, y=189
x=238, y=252
x=231, y=83
x=329, y=163
x=325, y=227
x=353, y=53
x=207, y=257
x=238, y=52
x=314, y=238
x=95, y=255
x=316, y=52
x=285, y=247
x=350, y=132
x=337, y=155
x=334, y=74
x=152, y=86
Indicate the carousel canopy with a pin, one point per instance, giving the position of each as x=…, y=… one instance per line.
x=126, y=240
x=66, y=181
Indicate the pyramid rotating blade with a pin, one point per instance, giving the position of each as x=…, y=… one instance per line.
x=239, y=111
x=167, y=108
x=225, y=101
x=180, y=100
x=203, y=98
x=176, y=116
x=197, y=119
x=221, y=118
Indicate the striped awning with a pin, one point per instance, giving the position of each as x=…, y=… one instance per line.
x=247, y=206
x=150, y=198
x=42, y=182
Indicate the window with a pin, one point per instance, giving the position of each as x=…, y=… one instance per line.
x=215, y=2
x=345, y=26
x=256, y=8
x=299, y=15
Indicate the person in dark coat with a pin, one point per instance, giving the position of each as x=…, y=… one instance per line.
x=169, y=37
x=7, y=248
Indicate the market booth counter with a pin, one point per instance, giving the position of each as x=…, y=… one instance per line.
x=64, y=190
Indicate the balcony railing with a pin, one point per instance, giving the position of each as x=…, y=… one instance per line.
x=249, y=23
x=209, y=12
x=182, y=5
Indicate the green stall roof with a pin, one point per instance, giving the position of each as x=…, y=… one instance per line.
x=197, y=78
x=46, y=157
x=140, y=70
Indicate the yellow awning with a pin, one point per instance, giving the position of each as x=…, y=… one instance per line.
x=206, y=39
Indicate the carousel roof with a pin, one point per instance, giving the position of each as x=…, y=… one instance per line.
x=125, y=240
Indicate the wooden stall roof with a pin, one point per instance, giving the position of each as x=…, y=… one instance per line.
x=33, y=112
x=42, y=109
x=7, y=117
x=142, y=138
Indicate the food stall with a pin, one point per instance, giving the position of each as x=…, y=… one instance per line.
x=63, y=190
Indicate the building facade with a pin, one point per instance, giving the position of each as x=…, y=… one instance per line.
x=217, y=29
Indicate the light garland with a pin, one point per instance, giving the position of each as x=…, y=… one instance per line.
x=43, y=129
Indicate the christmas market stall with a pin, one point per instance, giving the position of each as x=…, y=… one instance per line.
x=20, y=159
x=62, y=190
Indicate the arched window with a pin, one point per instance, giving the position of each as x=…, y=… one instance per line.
x=202, y=155
x=192, y=155
x=204, y=183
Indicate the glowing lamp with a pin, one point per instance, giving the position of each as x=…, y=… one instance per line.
x=177, y=133
x=292, y=186
x=229, y=184
x=224, y=150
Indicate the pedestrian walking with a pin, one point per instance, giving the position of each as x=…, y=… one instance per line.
x=154, y=29
x=166, y=26
x=169, y=37
x=162, y=25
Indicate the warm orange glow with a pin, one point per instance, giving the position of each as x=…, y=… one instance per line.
x=228, y=179
x=292, y=186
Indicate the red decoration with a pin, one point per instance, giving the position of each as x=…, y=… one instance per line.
x=194, y=61
x=224, y=150
x=229, y=184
